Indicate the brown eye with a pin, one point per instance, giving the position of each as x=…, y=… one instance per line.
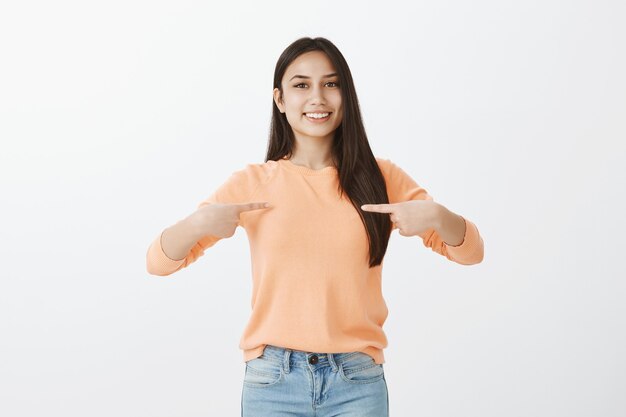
x=330, y=82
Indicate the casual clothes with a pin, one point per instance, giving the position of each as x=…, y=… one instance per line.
x=313, y=289
x=290, y=382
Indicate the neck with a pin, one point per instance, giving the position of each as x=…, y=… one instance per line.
x=314, y=153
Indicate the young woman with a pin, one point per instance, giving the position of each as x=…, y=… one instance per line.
x=314, y=342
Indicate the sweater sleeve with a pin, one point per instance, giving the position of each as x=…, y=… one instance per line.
x=401, y=187
x=236, y=189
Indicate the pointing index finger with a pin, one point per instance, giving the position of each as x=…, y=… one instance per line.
x=378, y=208
x=253, y=206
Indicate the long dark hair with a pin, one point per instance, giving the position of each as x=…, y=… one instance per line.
x=359, y=175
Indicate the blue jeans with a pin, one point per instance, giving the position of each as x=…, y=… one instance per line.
x=285, y=382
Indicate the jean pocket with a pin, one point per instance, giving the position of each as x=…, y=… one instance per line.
x=360, y=368
x=262, y=372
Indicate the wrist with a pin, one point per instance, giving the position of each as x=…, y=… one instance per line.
x=193, y=226
x=438, y=216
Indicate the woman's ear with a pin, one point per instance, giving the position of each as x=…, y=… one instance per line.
x=278, y=100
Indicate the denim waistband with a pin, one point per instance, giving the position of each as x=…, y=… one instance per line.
x=292, y=357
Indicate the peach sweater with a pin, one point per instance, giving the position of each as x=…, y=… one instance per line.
x=312, y=288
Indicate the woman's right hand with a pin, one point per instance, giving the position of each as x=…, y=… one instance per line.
x=221, y=220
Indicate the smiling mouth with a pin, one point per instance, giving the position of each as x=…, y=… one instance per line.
x=318, y=119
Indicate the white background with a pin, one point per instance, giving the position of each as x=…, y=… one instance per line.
x=117, y=118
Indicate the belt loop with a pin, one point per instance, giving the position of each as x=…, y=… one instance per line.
x=331, y=360
x=286, y=360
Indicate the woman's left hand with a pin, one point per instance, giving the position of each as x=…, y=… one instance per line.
x=410, y=217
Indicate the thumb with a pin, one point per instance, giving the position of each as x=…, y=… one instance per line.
x=252, y=206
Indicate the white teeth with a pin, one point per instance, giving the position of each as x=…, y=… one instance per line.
x=317, y=115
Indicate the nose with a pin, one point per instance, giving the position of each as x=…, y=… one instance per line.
x=317, y=94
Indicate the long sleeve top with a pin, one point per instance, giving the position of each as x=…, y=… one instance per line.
x=312, y=287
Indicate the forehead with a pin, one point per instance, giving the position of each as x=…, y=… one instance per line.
x=314, y=64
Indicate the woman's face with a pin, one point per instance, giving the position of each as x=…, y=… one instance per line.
x=307, y=89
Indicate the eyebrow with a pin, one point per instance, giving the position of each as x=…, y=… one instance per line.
x=304, y=76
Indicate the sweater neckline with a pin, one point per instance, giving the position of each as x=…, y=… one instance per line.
x=330, y=170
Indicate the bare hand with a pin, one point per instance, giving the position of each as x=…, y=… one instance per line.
x=410, y=217
x=221, y=220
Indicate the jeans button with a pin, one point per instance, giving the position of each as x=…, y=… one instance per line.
x=313, y=359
